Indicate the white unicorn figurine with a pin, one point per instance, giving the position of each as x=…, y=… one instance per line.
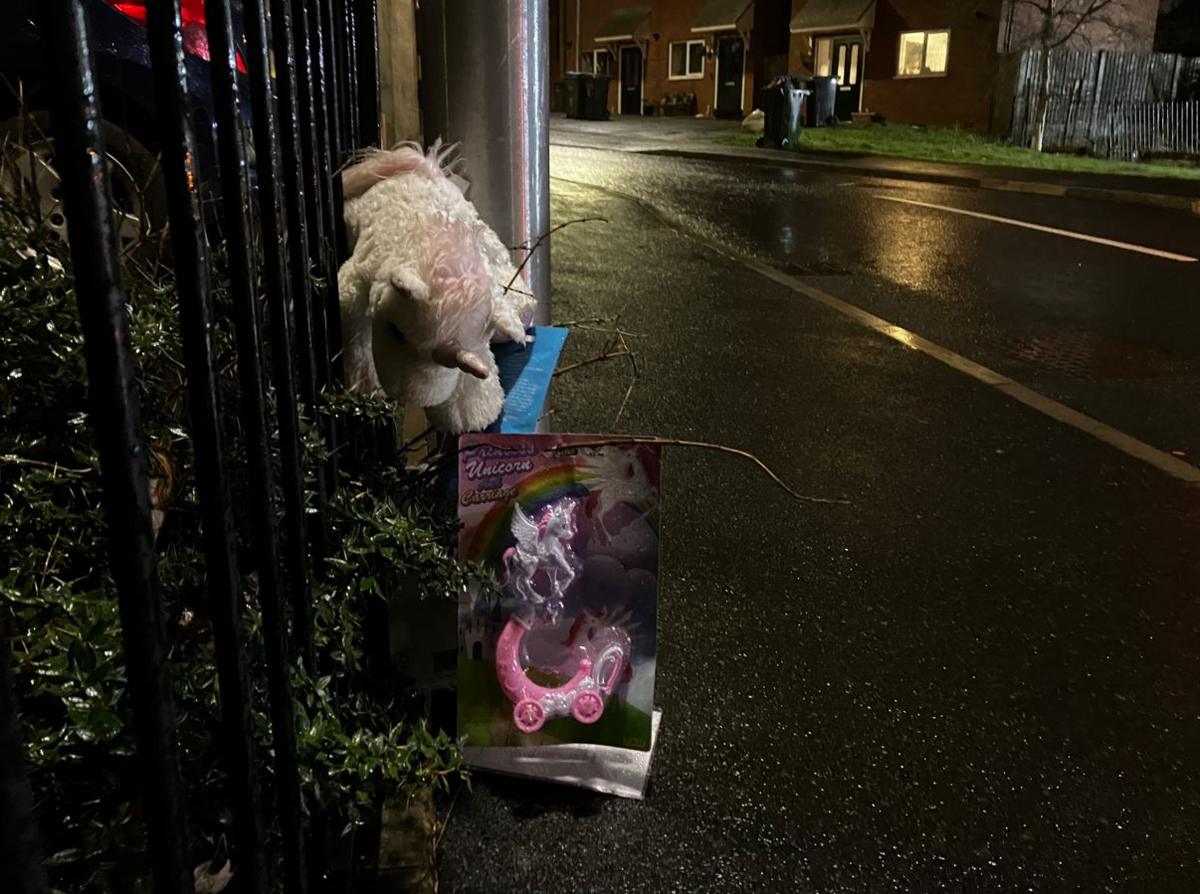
x=543, y=544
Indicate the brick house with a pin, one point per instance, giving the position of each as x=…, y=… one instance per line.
x=932, y=61
x=711, y=52
x=936, y=62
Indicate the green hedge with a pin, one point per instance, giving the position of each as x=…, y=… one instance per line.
x=359, y=740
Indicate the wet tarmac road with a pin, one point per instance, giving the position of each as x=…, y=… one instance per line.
x=981, y=675
x=1114, y=333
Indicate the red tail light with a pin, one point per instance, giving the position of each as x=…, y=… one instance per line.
x=136, y=10
x=195, y=31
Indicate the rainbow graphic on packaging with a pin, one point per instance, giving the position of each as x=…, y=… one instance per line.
x=564, y=650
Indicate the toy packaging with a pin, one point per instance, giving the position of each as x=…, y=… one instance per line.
x=564, y=650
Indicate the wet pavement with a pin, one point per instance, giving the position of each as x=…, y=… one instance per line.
x=709, y=137
x=983, y=674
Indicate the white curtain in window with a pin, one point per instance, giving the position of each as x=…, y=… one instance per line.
x=912, y=49
x=937, y=47
x=824, y=56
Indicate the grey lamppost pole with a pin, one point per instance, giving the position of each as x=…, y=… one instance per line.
x=484, y=77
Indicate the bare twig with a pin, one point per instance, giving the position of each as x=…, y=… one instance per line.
x=542, y=238
x=677, y=442
x=524, y=246
x=49, y=558
x=616, y=346
x=608, y=354
x=12, y=459
x=705, y=445
x=623, y=332
x=522, y=292
x=637, y=370
x=637, y=374
x=625, y=400
x=437, y=841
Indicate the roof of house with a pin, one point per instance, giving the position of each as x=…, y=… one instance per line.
x=834, y=15
x=721, y=15
x=623, y=24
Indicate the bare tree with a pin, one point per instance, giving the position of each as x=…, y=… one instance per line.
x=1054, y=23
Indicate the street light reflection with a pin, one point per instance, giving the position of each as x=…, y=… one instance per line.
x=901, y=335
x=921, y=251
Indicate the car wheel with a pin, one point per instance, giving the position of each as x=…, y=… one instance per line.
x=28, y=174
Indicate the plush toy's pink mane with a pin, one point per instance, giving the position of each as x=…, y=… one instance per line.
x=459, y=280
x=407, y=158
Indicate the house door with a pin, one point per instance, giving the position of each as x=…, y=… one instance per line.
x=847, y=68
x=631, y=81
x=730, y=61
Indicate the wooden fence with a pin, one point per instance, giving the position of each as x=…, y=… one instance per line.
x=1113, y=105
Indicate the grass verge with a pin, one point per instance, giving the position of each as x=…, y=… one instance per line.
x=963, y=147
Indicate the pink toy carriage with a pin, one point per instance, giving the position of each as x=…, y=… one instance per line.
x=544, y=545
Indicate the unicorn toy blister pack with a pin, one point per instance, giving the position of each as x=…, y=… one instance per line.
x=565, y=650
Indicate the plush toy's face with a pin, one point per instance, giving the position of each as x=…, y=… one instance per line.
x=429, y=319
x=426, y=289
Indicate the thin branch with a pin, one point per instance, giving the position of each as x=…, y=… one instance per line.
x=625, y=400
x=524, y=246
x=637, y=369
x=622, y=332
x=705, y=445
x=525, y=292
x=542, y=238
x=647, y=439
x=605, y=356
x=1085, y=16
x=437, y=841
x=49, y=557
x=12, y=459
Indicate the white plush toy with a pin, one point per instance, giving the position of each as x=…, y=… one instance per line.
x=425, y=290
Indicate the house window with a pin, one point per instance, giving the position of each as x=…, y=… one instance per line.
x=596, y=62
x=923, y=54
x=824, y=57
x=687, y=59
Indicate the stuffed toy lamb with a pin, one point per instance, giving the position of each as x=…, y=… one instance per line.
x=426, y=289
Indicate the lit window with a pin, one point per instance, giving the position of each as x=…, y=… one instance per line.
x=824, y=57
x=596, y=62
x=687, y=59
x=923, y=53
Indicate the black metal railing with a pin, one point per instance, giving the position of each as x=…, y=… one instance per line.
x=282, y=237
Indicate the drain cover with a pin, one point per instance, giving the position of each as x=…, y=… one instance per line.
x=816, y=268
x=1089, y=355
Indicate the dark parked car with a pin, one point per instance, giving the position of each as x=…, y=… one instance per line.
x=122, y=59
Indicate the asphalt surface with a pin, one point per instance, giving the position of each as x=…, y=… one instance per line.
x=707, y=136
x=983, y=674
